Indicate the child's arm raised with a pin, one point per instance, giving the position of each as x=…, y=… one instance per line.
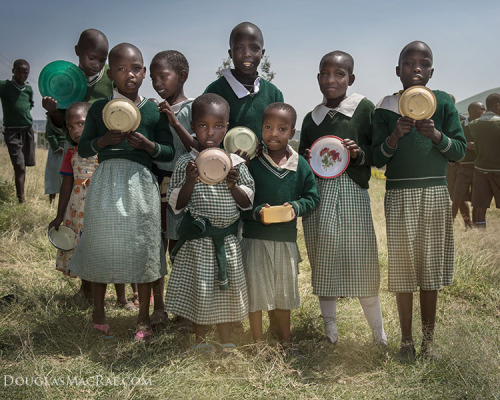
x=186, y=138
x=56, y=117
x=187, y=189
x=239, y=195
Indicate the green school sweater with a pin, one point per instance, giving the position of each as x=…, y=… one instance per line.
x=17, y=102
x=358, y=128
x=470, y=155
x=276, y=186
x=153, y=126
x=248, y=110
x=486, y=133
x=99, y=88
x=417, y=162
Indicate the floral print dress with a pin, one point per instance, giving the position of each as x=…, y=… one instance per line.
x=81, y=169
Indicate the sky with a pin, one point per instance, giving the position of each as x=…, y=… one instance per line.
x=462, y=34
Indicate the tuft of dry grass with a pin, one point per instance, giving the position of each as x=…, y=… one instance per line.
x=44, y=336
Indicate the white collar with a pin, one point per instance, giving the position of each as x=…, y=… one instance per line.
x=118, y=95
x=92, y=80
x=177, y=107
x=390, y=103
x=346, y=107
x=292, y=162
x=239, y=90
x=235, y=159
x=489, y=116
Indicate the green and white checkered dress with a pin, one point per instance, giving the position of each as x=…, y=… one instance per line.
x=272, y=270
x=340, y=240
x=419, y=238
x=121, y=239
x=193, y=290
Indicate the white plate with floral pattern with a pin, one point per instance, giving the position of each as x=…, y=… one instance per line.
x=329, y=157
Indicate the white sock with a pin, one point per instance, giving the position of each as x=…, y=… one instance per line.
x=373, y=314
x=328, y=307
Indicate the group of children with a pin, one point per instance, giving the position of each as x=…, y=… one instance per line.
x=215, y=278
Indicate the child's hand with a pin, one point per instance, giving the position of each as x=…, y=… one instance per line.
x=139, y=141
x=49, y=104
x=232, y=178
x=165, y=108
x=403, y=126
x=55, y=223
x=261, y=214
x=352, y=147
x=260, y=148
x=426, y=128
x=471, y=146
x=293, y=210
x=111, y=138
x=244, y=155
x=307, y=154
x=192, y=172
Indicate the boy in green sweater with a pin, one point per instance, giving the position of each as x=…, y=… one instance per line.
x=417, y=205
x=248, y=94
x=92, y=52
x=17, y=101
x=485, y=132
x=270, y=252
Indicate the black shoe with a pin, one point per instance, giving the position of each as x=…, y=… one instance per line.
x=406, y=353
x=427, y=353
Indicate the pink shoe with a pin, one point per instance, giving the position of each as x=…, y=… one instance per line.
x=104, y=330
x=142, y=334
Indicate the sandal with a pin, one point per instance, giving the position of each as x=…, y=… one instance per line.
x=142, y=334
x=227, y=348
x=104, y=330
x=158, y=318
x=203, y=348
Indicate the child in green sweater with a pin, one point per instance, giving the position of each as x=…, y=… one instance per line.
x=340, y=238
x=92, y=52
x=485, y=132
x=121, y=240
x=417, y=205
x=17, y=102
x=270, y=253
x=247, y=94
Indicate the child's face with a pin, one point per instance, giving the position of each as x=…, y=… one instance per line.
x=127, y=71
x=75, y=120
x=91, y=60
x=334, y=77
x=21, y=73
x=277, y=129
x=167, y=83
x=246, y=52
x=210, y=125
x=415, y=67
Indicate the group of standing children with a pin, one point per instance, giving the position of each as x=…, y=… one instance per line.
x=214, y=278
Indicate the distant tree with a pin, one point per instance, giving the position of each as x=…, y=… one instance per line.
x=265, y=68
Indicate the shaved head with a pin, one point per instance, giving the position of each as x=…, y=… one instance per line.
x=246, y=28
x=92, y=38
x=416, y=45
x=123, y=49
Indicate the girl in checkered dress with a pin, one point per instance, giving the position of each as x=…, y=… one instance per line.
x=207, y=284
x=339, y=234
x=417, y=205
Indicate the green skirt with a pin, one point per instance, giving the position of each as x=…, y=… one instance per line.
x=420, y=239
x=340, y=241
x=121, y=235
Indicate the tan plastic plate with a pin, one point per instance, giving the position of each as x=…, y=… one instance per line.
x=417, y=102
x=213, y=165
x=241, y=138
x=121, y=115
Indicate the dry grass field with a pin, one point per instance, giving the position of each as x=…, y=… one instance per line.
x=49, y=351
